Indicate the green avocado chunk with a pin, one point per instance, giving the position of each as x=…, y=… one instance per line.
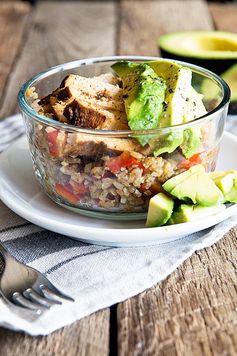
x=182, y=104
x=191, y=141
x=224, y=180
x=144, y=94
x=160, y=210
x=171, y=183
x=192, y=136
x=227, y=183
x=231, y=197
x=195, y=185
x=178, y=80
x=195, y=107
x=167, y=143
x=186, y=213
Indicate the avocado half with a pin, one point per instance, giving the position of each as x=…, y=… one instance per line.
x=214, y=50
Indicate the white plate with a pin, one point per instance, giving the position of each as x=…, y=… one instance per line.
x=20, y=191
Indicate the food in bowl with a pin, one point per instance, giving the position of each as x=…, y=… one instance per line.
x=108, y=142
x=192, y=195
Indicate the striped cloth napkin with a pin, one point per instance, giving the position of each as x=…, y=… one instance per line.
x=95, y=276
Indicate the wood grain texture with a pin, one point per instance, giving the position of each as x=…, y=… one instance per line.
x=224, y=16
x=13, y=18
x=87, y=337
x=61, y=32
x=193, y=312
x=142, y=23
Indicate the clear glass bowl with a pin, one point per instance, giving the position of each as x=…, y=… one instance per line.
x=108, y=174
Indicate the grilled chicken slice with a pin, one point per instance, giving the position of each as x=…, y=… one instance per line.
x=95, y=103
x=88, y=102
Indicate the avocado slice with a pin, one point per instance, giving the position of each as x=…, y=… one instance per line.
x=187, y=213
x=215, y=50
x=227, y=183
x=192, y=136
x=167, y=143
x=194, y=185
x=224, y=180
x=194, y=107
x=182, y=104
x=160, y=210
x=171, y=183
x=231, y=197
x=178, y=80
x=144, y=94
x=191, y=141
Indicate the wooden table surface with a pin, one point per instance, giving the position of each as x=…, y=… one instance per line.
x=193, y=312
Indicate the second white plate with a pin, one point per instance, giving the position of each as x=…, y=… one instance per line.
x=20, y=191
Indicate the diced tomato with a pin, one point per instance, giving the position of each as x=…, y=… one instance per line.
x=78, y=187
x=52, y=143
x=66, y=191
x=192, y=161
x=125, y=160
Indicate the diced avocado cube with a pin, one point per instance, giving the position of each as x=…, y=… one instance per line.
x=160, y=210
x=224, y=180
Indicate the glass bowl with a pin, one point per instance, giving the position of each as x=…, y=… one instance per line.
x=108, y=174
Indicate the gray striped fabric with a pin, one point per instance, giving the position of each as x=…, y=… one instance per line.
x=95, y=276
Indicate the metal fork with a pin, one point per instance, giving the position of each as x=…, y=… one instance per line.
x=26, y=287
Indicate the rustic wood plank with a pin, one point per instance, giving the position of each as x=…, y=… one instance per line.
x=193, y=312
x=85, y=29
x=142, y=24
x=224, y=16
x=87, y=337
x=13, y=17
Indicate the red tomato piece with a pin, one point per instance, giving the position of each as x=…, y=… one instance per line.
x=66, y=191
x=52, y=143
x=125, y=160
x=192, y=161
x=78, y=187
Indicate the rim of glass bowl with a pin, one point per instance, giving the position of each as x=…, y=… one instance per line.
x=27, y=109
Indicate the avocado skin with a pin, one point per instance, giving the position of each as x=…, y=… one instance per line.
x=215, y=65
